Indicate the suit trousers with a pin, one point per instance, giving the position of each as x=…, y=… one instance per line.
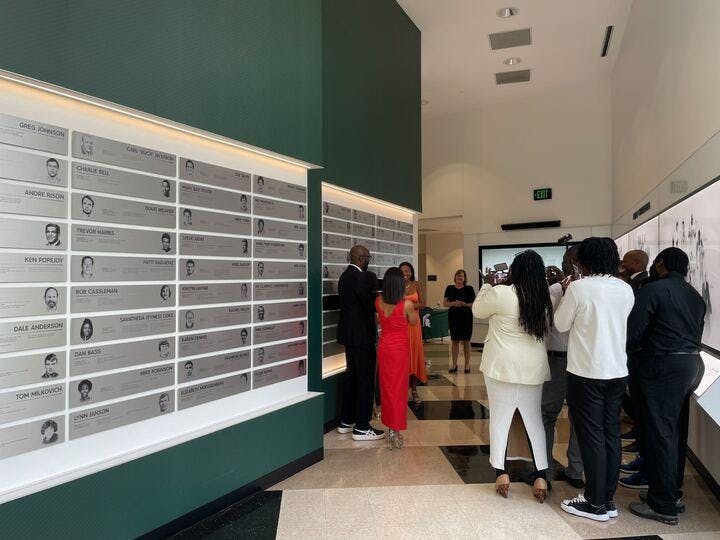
x=666, y=385
x=594, y=408
x=359, y=385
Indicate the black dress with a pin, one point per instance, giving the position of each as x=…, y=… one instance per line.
x=460, y=319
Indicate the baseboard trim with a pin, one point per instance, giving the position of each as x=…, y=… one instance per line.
x=244, y=492
x=704, y=474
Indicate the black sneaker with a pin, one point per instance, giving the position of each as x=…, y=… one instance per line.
x=642, y=510
x=633, y=466
x=345, y=428
x=611, y=509
x=629, y=435
x=631, y=448
x=580, y=507
x=634, y=481
x=679, y=504
x=370, y=434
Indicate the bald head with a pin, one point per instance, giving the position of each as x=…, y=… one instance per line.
x=634, y=261
x=360, y=256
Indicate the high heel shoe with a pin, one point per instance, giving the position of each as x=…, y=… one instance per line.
x=540, y=489
x=415, y=397
x=502, y=485
x=453, y=369
x=395, y=439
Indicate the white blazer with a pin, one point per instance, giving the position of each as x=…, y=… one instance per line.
x=510, y=354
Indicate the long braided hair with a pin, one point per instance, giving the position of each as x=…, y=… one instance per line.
x=598, y=256
x=527, y=275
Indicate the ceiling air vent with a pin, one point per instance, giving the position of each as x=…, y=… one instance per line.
x=510, y=77
x=514, y=38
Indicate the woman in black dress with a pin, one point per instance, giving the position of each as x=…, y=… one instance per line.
x=459, y=298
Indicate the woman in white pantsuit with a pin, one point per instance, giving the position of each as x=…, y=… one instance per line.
x=514, y=361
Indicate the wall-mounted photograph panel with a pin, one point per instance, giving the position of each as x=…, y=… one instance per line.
x=192, y=219
x=336, y=211
x=95, y=389
x=214, y=269
x=32, y=201
x=190, y=396
x=280, y=270
x=25, y=234
x=279, y=250
x=282, y=372
x=92, y=268
x=207, y=173
x=277, y=188
x=278, y=332
x=214, y=293
x=88, y=299
x=268, y=228
x=32, y=168
x=35, y=334
x=29, y=301
x=210, y=366
x=279, y=290
x=21, y=404
x=119, y=240
x=217, y=199
x=32, y=369
x=28, y=133
x=120, y=355
x=336, y=242
x=267, y=312
x=91, y=207
x=336, y=226
x=205, y=318
x=333, y=271
x=336, y=256
x=208, y=342
x=278, y=209
x=270, y=354
x=124, y=326
x=31, y=436
x=366, y=218
x=117, y=182
x=214, y=246
x=122, y=154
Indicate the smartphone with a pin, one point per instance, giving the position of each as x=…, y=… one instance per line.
x=502, y=267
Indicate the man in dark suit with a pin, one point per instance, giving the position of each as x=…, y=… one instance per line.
x=357, y=332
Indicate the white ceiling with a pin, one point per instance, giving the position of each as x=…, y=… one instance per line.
x=458, y=66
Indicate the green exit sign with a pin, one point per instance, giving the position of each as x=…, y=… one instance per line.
x=543, y=194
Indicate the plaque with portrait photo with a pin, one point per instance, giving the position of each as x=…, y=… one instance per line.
x=384, y=234
x=279, y=209
x=333, y=271
x=383, y=259
x=405, y=227
x=197, y=394
x=336, y=211
x=93, y=268
x=22, y=438
x=21, y=404
x=91, y=207
x=217, y=199
x=270, y=354
x=274, y=249
x=208, y=342
x=277, y=188
x=32, y=201
x=27, y=133
x=386, y=247
x=364, y=231
x=32, y=168
x=268, y=228
x=330, y=317
x=121, y=240
x=210, y=366
x=110, y=152
x=213, y=269
x=214, y=246
x=404, y=249
x=123, y=326
x=336, y=242
x=116, y=182
x=32, y=268
x=99, y=388
x=214, y=293
x=279, y=290
x=196, y=319
x=32, y=369
x=28, y=301
x=336, y=256
x=110, y=416
x=278, y=311
x=336, y=226
x=363, y=217
x=192, y=219
x=35, y=334
x=207, y=173
x=371, y=245
x=386, y=223
x=279, y=332
x=280, y=270
x=330, y=287
x=88, y=299
x=120, y=355
x=403, y=238
x=25, y=234
x=279, y=373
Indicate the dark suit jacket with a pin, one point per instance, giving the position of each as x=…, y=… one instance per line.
x=356, y=325
x=638, y=281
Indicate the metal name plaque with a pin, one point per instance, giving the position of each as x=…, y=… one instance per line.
x=204, y=318
x=32, y=369
x=268, y=228
x=370, y=244
x=32, y=168
x=217, y=246
x=330, y=317
x=280, y=270
x=336, y=256
x=279, y=332
x=403, y=238
x=336, y=242
x=32, y=201
x=386, y=247
x=117, y=182
x=17, y=233
x=104, y=387
x=206, y=269
x=112, y=327
x=404, y=249
x=363, y=217
x=32, y=268
x=96, y=208
x=88, y=421
x=192, y=219
x=279, y=311
x=331, y=349
x=399, y=259
x=329, y=333
x=31, y=436
x=209, y=366
x=386, y=223
x=115, y=297
x=214, y=293
x=26, y=335
x=385, y=234
x=277, y=291
x=20, y=404
x=207, y=173
x=122, y=154
x=332, y=271
x=118, y=240
x=197, y=394
x=120, y=355
x=337, y=211
x=263, y=356
x=25, y=301
x=93, y=268
x=384, y=260
x=279, y=373
x=31, y=134
x=278, y=188
x=365, y=231
x=207, y=342
x=405, y=227
x=330, y=287
x=336, y=226
x=279, y=250
x=218, y=199
x=278, y=209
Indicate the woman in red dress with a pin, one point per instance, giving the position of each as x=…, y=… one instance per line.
x=394, y=314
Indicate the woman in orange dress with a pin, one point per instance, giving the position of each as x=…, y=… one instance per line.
x=417, y=355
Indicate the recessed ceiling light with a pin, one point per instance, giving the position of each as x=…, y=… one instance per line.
x=506, y=12
x=512, y=61
x=424, y=102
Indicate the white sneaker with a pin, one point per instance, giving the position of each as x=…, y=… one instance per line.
x=370, y=434
x=344, y=428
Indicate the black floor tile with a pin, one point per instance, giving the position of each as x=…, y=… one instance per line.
x=256, y=517
x=472, y=463
x=435, y=379
x=459, y=409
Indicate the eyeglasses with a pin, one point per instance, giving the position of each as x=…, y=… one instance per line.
x=368, y=257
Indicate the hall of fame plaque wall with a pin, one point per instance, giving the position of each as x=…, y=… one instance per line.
x=349, y=220
x=137, y=282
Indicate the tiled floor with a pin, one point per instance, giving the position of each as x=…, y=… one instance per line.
x=441, y=484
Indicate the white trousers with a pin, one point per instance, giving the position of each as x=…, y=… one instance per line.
x=504, y=398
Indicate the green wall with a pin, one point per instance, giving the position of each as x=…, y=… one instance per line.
x=246, y=69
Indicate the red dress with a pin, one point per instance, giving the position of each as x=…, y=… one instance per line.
x=393, y=365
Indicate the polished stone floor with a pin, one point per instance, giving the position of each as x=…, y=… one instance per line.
x=441, y=484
